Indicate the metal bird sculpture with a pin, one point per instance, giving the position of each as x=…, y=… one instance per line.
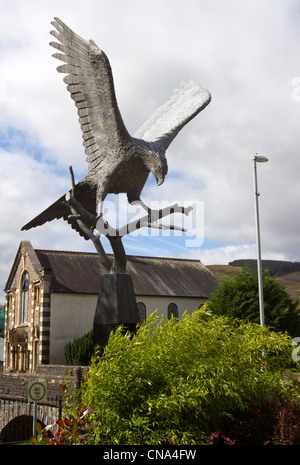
x=117, y=162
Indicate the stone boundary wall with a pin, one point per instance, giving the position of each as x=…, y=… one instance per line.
x=15, y=384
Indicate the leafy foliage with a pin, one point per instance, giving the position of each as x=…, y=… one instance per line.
x=69, y=431
x=238, y=298
x=80, y=351
x=2, y=319
x=178, y=382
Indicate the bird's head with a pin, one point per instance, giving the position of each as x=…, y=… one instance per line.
x=158, y=167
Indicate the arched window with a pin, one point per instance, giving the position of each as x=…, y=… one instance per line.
x=172, y=310
x=142, y=311
x=24, y=298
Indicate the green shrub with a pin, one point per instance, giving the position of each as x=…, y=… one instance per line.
x=178, y=382
x=80, y=350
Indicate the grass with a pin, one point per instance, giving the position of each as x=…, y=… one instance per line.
x=291, y=282
x=222, y=272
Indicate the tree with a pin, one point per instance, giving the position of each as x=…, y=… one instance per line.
x=238, y=298
x=80, y=350
x=2, y=319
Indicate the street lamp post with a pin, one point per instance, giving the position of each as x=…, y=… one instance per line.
x=258, y=159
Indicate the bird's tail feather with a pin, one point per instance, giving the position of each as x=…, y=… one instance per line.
x=85, y=194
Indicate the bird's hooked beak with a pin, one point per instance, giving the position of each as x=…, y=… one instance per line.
x=159, y=180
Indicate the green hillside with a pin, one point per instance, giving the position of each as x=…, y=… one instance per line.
x=281, y=270
x=223, y=271
x=275, y=267
x=291, y=282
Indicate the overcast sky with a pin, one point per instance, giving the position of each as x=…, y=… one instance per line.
x=245, y=52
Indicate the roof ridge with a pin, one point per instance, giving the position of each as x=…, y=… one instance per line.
x=109, y=254
x=64, y=251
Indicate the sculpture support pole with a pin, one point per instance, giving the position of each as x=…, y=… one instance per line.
x=119, y=263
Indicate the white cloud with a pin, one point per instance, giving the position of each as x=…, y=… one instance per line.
x=247, y=55
x=226, y=254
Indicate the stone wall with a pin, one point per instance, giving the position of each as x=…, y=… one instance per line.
x=16, y=413
x=15, y=385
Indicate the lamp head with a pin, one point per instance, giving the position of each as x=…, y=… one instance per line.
x=259, y=158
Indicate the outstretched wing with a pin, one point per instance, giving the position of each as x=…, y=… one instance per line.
x=165, y=123
x=90, y=82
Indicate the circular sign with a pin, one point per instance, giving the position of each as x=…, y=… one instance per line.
x=37, y=391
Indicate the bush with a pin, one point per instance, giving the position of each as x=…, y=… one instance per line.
x=80, y=350
x=238, y=298
x=179, y=382
x=68, y=431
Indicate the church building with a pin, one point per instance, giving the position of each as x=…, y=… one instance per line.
x=51, y=297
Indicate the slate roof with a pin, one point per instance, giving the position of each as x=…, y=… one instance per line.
x=80, y=272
